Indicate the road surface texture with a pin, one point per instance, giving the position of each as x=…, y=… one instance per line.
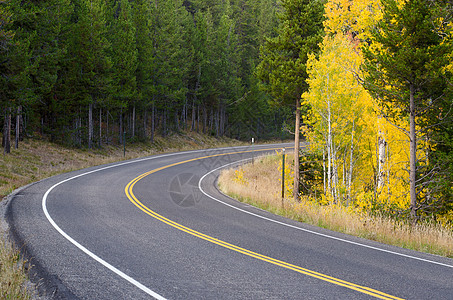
x=158, y=227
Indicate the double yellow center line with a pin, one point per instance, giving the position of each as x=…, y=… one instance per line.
x=145, y=209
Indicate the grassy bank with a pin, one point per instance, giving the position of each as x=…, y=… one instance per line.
x=36, y=160
x=259, y=184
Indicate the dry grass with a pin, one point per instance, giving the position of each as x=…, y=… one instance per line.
x=35, y=160
x=12, y=275
x=260, y=186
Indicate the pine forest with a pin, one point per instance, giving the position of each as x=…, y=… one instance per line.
x=367, y=83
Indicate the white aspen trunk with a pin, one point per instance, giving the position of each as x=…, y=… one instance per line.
x=329, y=151
x=334, y=174
x=388, y=171
x=381, y=159
x=413, y=154
x=296, y=152
x=324, y=169
x=351, y=163
x=343, y=178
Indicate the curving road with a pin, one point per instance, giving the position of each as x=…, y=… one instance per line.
x=158, y=227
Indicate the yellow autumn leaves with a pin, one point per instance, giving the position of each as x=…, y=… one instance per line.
x=365, y=158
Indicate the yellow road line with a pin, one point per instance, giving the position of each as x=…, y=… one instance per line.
x=330, y=279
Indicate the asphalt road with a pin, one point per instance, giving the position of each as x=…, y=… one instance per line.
x=158, y=227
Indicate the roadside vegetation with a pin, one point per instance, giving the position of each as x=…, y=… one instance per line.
x=38, y=159
x=260, y=184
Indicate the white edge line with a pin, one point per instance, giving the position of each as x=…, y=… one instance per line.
x=303, y=229
x=91, y=254
x=85, y=250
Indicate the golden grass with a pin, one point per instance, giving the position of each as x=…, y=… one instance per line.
x=260, y=185
x=12, y=275
x=35, y=160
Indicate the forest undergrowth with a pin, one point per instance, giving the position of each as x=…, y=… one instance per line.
x=38, y=159
x=260, y=184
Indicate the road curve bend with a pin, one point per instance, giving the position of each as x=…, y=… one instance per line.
x=157, y=227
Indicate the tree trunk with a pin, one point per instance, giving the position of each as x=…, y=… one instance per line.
x=164, y=122
x=19, y=113
x=153, y=122
x=192, y=127
x=211, y=120
x=351, y=163
x=205, y=119
x=198, y=119
x=100, y=127
x=217, y=122
x=145, y=124
x=177, y=120
x=90, y=125
x=121, y=127
x=329, y=152
x=324, y=169
x=296, y=152
x=381, y=159
x=133, y=121
x=107, y=126
x=7, y=132
x=413, y=155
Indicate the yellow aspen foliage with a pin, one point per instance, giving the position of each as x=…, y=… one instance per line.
x=343, y=123
x=341, y=119
x=355, y=17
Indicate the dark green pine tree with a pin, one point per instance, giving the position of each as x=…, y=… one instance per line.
x=198, y=47
x=89, y=65
x=6, y=44
x=17, y=31
x=123, y=53
x=173, y=58
x=142, y=16
x=49, y=46
x=227, y=66
x=283, y=68
x=408, y=72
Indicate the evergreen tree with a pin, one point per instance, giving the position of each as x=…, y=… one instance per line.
x=283, y=58
x=88, y=76
x=123, y=53
x=172, y=59
x=49, y=51
x=406, y=72
x=142, y=16
x=16, y=64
